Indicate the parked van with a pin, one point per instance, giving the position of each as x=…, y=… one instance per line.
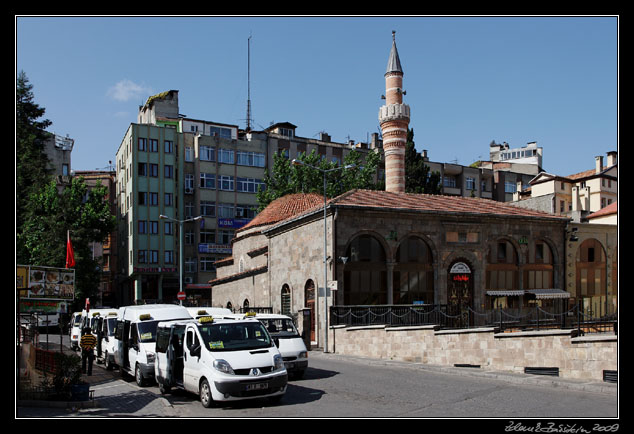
x=107, y=325
x=136, y=337
x=291, y=344
x=75, y=330
x=219, y=359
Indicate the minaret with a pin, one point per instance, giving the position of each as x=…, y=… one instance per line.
x=394, y=120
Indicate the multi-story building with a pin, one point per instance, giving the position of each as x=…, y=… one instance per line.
x=105, y=252
x=58, y=149
x=213, y=172
x=576, y=195
x=149, y=167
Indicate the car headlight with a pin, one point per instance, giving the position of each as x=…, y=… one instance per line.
x=303, y=355
x=278, y=362
x=223, y=366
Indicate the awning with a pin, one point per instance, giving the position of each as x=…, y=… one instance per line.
x=505, y=293
x=548, y=293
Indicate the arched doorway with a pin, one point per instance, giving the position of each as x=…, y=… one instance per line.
x=285, y=299
x=309, y=302
x=459, y=293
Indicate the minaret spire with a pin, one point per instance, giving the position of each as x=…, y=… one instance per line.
x=394, y=119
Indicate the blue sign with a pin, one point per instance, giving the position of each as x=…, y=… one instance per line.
x=232, y=223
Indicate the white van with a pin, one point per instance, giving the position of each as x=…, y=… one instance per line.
x=75, y=330
x=135, y=337
x=291, y=344
x=219, y=359
x=106, y=345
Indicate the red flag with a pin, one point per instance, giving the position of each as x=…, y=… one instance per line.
x=70, y=255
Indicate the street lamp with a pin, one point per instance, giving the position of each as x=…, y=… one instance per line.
x=180, y=248
x=297, y=162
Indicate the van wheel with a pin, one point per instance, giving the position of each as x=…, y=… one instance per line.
x=205, y=394
x=138, y=376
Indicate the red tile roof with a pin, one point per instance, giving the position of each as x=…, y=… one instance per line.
x=608, y=210
x=435, y=203
x=286, y=207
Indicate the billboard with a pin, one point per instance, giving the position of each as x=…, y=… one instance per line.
x=45, y=283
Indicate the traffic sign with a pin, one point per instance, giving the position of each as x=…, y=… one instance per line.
x=180, y=295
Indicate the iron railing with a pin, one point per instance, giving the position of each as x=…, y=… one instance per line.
x=447, y=317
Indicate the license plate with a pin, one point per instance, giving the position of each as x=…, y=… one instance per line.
x=257, y=386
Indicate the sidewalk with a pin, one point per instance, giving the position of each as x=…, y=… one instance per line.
x=111, y=396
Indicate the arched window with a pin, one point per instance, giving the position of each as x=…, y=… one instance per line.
x=591, y=279
x=538, y=272
x=502, y=270
x=413, y=275
x=365, y=273
x=285, y=300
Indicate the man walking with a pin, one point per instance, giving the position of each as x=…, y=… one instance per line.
x=87, y=343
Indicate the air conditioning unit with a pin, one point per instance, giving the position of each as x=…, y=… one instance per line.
x=189, y=280
x=189, y=190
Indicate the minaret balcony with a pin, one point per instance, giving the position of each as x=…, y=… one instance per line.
x=393, y=112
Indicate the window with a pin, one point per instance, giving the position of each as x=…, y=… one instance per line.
x=207, y=208
x=225, y=133
x=189, y=154
x=169, y=146
x=449, y=181
x=207, y=263
x=470, y=183
x=153, y=145
x=168, y=199
x=154, y=170
x=225, y=182
x=153, y=199
x=142, y=257
x=510, y=187
x=225, y=156
x=142, y=227
x=142, y=169
x=168, y=228
x=207, y=237
x=254, y=159
x=249, y=185
x=189, y=181
x=142, y=144
x=154, y=227
x=207, y=180
x=153, y=257
x=207, y=153
x=142, y=198
x=226, y=210
x=225, y=236
x=168, y=171
x=365, y=273
x=168, y=257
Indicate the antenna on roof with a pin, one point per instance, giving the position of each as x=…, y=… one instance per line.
x=249, y=83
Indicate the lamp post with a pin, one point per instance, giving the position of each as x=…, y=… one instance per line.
x=180, y=246
x=297, y=162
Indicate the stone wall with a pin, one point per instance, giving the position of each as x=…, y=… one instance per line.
x=583, y=358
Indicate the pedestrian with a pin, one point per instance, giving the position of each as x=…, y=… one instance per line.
x=87, y=343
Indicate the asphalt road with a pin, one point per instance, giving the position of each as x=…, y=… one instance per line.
x=345, y=387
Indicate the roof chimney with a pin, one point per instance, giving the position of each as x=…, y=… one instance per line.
x=598, y=161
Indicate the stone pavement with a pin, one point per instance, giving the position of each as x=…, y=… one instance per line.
x=112, y=396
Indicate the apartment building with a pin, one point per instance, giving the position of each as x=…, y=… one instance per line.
x=576, y=195
x=212, y=171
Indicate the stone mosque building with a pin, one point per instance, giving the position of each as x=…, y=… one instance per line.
x=391, y=247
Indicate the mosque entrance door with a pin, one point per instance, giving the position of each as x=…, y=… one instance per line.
x=460, y=294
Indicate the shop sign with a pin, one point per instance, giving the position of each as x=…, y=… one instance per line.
x=460, y=268
x=214, y=248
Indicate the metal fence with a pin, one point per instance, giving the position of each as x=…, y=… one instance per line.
x=448, y=317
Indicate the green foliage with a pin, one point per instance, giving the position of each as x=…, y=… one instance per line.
x=287, y=178
x=418, y=178
x=67, y=373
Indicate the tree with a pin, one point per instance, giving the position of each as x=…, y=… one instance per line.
x=287, y=178
x=85, y=213
x=31, y=163
x=418, y=178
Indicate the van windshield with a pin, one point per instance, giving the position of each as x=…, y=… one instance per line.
x=77, y=320
x=147, y=330
x=234, y=336
x=280, y=327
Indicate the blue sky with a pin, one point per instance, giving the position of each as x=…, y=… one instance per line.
x=469, y=80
